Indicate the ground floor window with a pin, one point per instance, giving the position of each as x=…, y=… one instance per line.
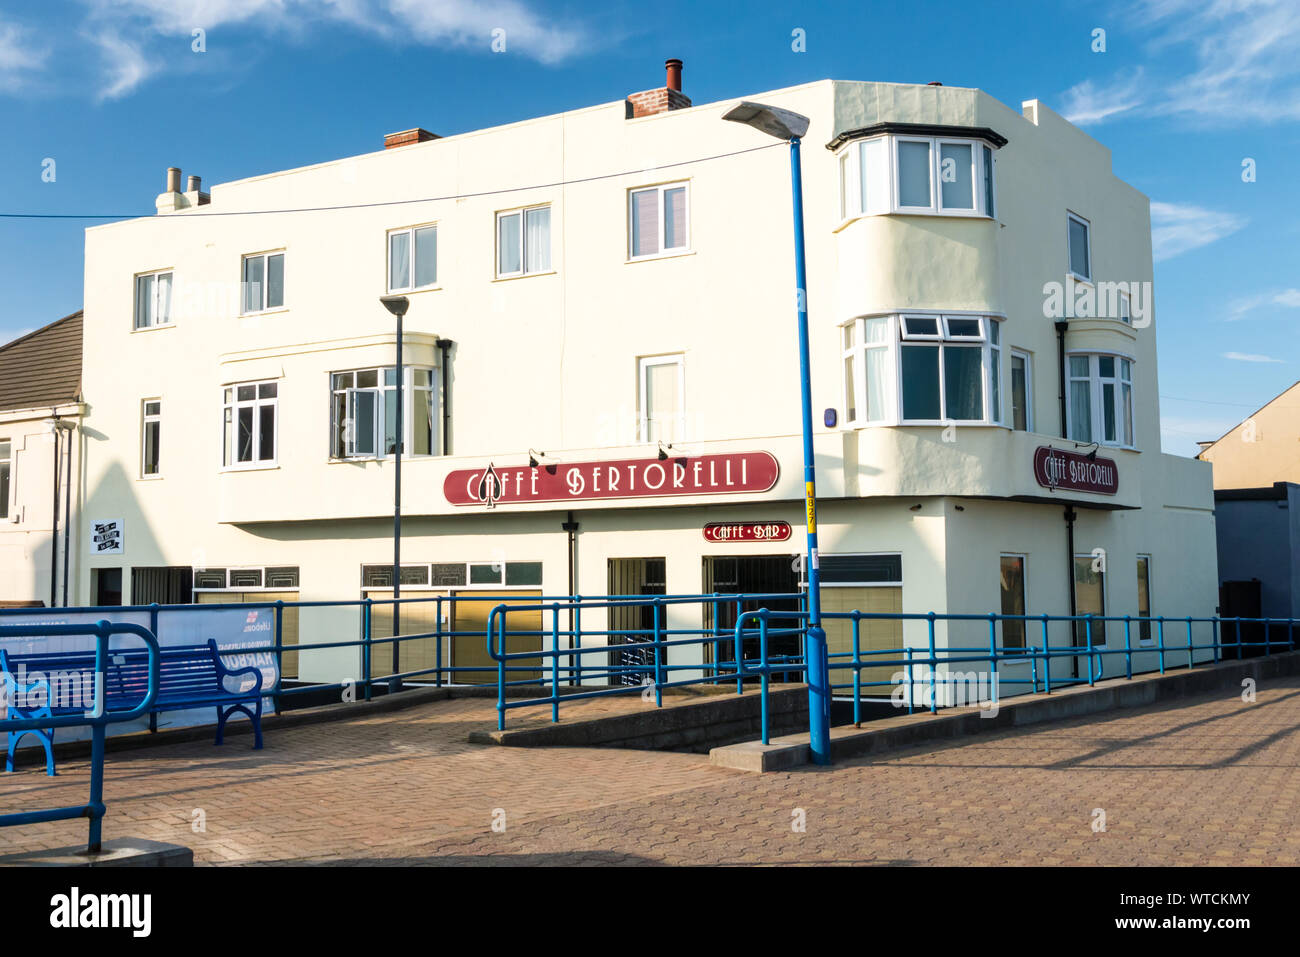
x=1012, y=572
x=872, y=584
x=1144, y=597
x=105, y=587
x=249, y=584
x=1089, y=599
x=629, y=624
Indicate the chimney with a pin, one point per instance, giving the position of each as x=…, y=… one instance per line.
x=666, y=98
x=172, y=200
x=934, y=83
x=173, y=179
x=407, y=137
x=192, y=184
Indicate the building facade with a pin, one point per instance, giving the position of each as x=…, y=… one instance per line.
x=41, y=446
x=601, y=383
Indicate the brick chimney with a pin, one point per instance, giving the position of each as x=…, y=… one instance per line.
x=406, y=137
x=668, y=97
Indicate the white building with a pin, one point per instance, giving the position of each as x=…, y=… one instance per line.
x=613, y=283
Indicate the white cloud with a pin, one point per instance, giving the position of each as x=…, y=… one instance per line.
x=1086, y=103
x=1178, y=227
x=461, y=24
x=1249, y=357
x=1285, y=298
x=20, y=56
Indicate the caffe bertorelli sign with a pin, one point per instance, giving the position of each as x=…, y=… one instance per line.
x=1057, y=468
x=625, y=478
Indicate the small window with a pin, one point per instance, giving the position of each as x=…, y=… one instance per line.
x=1080, y=247
x=209, y=578
x=1144, y=597
x=1012, y=570
x=657, y=220
x=246, y=578
x=250, y=414
x=150, y=434
x=153, y=300
x=6, y=472
x=1022, y=413
x=957, y=176
x=914, y=164
x=1125, y=313
x=662, y=399
x=412, y=258
x=990, y=209
x=263, y=282
x=524, y=241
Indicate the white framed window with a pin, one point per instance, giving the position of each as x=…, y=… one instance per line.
x=1011, y=572
x=661, y=384
x=250, y=425
x=150, y=435
x=524, y=241
x=262, y=282
x=1125, y=309
x=1089, y=599
x=1022, y=391
x=1100, y=407
x=1079, y=240
x=6, y=475
x=1145, y=636
x=363, y=413
x=153, y=299
x=915, y=174
x=658, y=220
x=412, y=258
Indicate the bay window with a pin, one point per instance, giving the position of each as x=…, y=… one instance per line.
x=914, y=174
x=922, y=369
x=363, y=413
x=1100, y=407
x=250, y=413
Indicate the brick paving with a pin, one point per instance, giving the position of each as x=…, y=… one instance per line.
x=1208, y=780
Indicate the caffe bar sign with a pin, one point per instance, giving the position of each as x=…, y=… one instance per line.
x=731, y=473
x=1059, y=469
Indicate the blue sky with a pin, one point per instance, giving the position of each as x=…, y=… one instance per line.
x=1183, y=94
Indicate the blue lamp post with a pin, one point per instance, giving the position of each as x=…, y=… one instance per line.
x=787, y=125
x=397, y=305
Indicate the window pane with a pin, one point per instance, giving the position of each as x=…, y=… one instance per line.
x=964, y=327
x=422, y=422
x=227, y=423
x=266, y=390
x=850, y=389
x=1144, y=597
x=870, y=162
x=1013, y=600
x=844, y=185
x=508, y=260
x=426, y=256
x=920, y=382
x=1079, y=367
x=4, y=481
x=244, y=440
x=988, y=182
x=876, y=330
x=1080, y=411
x=645, y=222
x=266, y=433
x=1126, y=398
x=850, y=334
x=662, y=390
x=275, y=281
x=921, y=327
x=390, y=421
x=399, y=261
x=537, y=239
x=253, y=277
x=367, y=379
x=523, y=573
x=1079, y=249
x=485, y=574
x=958, y=188
x=1089, y=597
x=364, y=405
x=143, y=302
x=164, y=302
x=1108, y=411
x=1106, y=367
x=339, y=428
x=913, y=174
x=675, y=218
x=1019, y=394
x=995, y=385
x=963, y=380
x=877, y=380
x=246, y=393
x=151, y=436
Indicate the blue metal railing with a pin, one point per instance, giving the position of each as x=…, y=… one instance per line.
x=98, y=718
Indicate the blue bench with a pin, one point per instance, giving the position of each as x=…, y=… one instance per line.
x=189, y=676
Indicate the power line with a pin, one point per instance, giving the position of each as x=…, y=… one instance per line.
x=1178, y=398
x=394, y=202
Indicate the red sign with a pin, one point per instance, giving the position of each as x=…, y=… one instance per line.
x=747, y=531
x=625, y=478
x=1057, y=468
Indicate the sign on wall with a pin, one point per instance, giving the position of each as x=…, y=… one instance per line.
x=626, y=478
x=1057, y=468
x=747, y=531
x=106, y=536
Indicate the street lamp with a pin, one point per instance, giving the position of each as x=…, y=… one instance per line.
x=787, y=125
x=397, y=305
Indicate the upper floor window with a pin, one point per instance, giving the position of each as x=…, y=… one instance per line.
x=250, y=416
x=363, y=413
x=657, y=221
x=922, y=369
x=912, y=174
x=524, y=241
x=662, y=398
x=6, y=470
x=150, y=434
x=263, y=282
x=1022, y=392
x=412, y=258
x=1079, y=234
x=1101, y=399
x=153, y=300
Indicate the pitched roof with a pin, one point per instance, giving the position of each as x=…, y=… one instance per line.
x=43, y=367
x=1207, y=446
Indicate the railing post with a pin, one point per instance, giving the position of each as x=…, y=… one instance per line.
x=501, y=667
x=717, y=630
x=993, y=661
x=659, y=678
x=1238, y=638
x=1128, y=650
x=1047, y=658
x=95, y=807
x=279, y=651
x=934, y=665
x=437, y=650
x=907, y=663
x=366, y=614
x=555, y=662
x=1190, y=642
x=1160, y=635
x=763, y=677
x=857, y=669
x=736, y=651
x=1088, y=624
x=1290, y=630
x=575, y=642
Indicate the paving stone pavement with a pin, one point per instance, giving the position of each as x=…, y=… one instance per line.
x=1209, y=780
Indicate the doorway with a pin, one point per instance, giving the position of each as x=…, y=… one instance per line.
x=749, y=575
x=165, y=586
x=634, y=576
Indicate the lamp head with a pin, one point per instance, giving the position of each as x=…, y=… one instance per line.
x=397, y=305
x=772, y=120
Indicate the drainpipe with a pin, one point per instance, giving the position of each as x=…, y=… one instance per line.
x=67, y=515
x=54, y=520
x=444, y=345
x=1061, y=326
x=571, y=527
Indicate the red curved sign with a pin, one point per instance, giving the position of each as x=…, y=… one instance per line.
x=729, y=473
x=747, y=531
x=1057, y=468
